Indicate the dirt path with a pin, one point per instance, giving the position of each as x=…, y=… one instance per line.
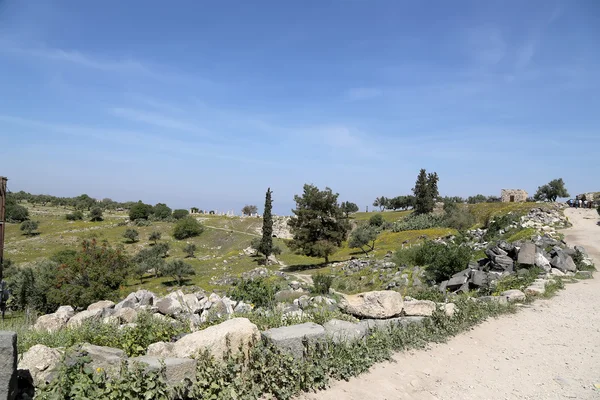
x=550, y=350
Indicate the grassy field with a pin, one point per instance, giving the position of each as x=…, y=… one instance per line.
x=220, y=247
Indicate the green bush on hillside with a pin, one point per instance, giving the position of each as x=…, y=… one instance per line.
x=260, y=292
x=74, y=216
x=415, y=222
x=322, y=283
x=186, y=228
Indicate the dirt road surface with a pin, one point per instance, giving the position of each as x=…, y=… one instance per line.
x=549, y=350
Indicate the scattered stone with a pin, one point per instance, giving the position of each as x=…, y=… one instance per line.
x=494, y=299
x=340, y=331
x=456, y=282
x=101, y=305
x=542, y=262
x=105, y=358
x=239, y=332
x=65, y=312
x=377, y=304
x=514, y=295
x=526, y=256
x=479, y=278
x=450, y=309
x=386, y=323
x=125, y=315
x=50, y=323
x=556, y=272
x=562, y=261
x=42, y=362
x=160, y=349
x=176, y=369
x=169, y=306
x=80, y=318
x=419, y=308
x=584, y=275
x=290, y=338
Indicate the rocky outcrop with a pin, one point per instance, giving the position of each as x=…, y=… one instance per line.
x=81, y=317
x=377, y=304
x=419, y=308
x=107, y=359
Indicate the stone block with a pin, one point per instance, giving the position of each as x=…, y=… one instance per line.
x=290, y=338
x=8, y=365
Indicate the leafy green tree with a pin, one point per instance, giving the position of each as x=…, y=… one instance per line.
x=154, y=237
x=363, y=238
x=442, y=260
x=132, y=235
x=348, y=208
x=139, y=210
x=161, y=249
x=96, y=273
x=479, y=198
x=493, y=199
x=249, y=210
x=551, y=191
x=30, y=285
x=180, y=213
x=14, y=211
x=82, y=202
x=74, y=216
x=189, y=249
x=178, y=270
x=381, y=202
x=161, y=211
x=148, y=263
x=426, y=192
x=186, y=228
x=29, y=228
x=96, y=214
x=265, y=244
x=259, y=292
x=376, y=220
x=318, y=225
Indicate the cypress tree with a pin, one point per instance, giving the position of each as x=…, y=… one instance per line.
x=421, y=193
x=266, y=243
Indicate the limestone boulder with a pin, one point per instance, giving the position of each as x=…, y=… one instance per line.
x=526, y=256
x=65, y=312
x=542, y=262
x=160, y=349
x=377, y=304
x=176, y=369
x=419, y=308
x=83, y=316
x=169, y=306
x=239, y=332
x=106, y=358
x=290, y=339
x=42, y=362
x=343, y=331
x=513, y=295
x=101, y=305
x=50, y=323
x=126, y=315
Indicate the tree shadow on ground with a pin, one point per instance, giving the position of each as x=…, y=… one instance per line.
x=303, y=267
x=173, y=283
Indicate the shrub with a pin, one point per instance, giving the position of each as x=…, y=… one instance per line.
x=142, y=222
x=497, y=223
x=96, y=272
x=96, y=214
x=179, y=214
x=189, y=249
x=139, y=211
x=29, y=228
x=416, y=222
x=376, y=220
x=154, y=237
x=459, y=218
x=363, y=238
x=75, y=216
x=132, y=235
x=578, y=259
x=161, y=211
x=178, y=270
x=442, y=260
x=186, y=228
x=260, y=292
x=322, y=283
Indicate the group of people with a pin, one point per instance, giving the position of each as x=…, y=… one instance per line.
x=580, y=203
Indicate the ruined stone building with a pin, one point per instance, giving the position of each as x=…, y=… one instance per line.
x=513, y=195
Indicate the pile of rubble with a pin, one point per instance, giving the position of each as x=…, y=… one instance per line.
x=554, y=258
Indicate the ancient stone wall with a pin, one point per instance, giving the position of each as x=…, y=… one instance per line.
x=513, y=195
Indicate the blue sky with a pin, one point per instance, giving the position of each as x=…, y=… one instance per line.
x=207, y=104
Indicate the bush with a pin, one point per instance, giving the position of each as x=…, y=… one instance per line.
x=178, y=270
x=415, y=222
x=189, y=249
x=497, y=223
x=459, y=218
x=376, y=220
x=139, y=211
x=260, y=292
x=441, y=260
x=322, y=283
x=154, y=237
x=142, y=222
x=29, y=228
x=186, y=228
x=179, y=214
x=15, y=212
x=96, y=214
x=75, y=216
x=132, y=235
x=96, y=272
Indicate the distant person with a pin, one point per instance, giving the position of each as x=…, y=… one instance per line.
x=576, y=203
x=580, y=203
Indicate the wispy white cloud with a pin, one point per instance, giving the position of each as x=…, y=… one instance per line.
x=153, y=118
x=362, y=93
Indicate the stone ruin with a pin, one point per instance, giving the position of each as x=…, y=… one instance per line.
x=513, y=195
